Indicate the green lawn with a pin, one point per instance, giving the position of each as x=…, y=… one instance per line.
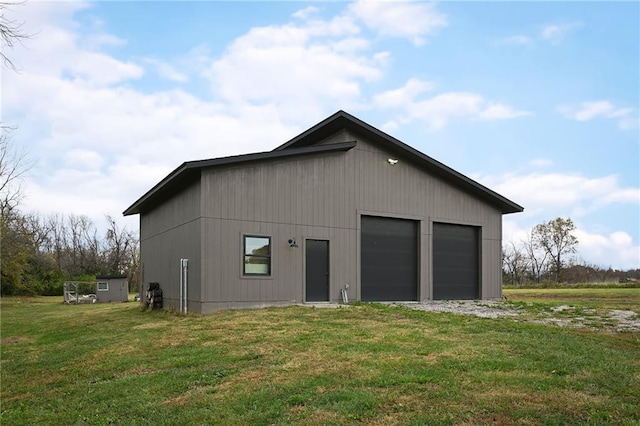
x=593, y=298
x=366, y=364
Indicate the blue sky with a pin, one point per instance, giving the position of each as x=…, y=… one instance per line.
x=537, y=100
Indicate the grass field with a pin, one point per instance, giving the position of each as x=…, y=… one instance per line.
x=365, y=364
x=593, y=298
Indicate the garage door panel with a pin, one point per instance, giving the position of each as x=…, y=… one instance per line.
x=455, y=262
x=389, y=259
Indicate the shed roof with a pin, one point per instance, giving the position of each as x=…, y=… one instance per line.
x=111, y=276
x=305, y=144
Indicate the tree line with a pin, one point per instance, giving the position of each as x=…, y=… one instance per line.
x=39, y=253
x=545, y=256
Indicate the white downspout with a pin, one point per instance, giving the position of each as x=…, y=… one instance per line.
x=184, y=278
x=181, y=285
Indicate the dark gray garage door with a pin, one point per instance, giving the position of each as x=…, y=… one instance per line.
x=389, y=259
x=456, y=270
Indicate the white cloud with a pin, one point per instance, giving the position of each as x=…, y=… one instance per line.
x=78, y=112
x=404, y=95
x=556, y=33
x=551, y=33
x=541, y=162
x=167, y=70
x=65, y=53
x=405, y=19
x=85, y=124
x=83, y=159
x=162, y=129
x=517, y=40
x=96, y=41
x=549, y=195
x=626, y=117
x=306, y=13
x=98, y=69
x=558, y=193
x=389, y=126
x=616, y=249
x=331, y=64
x=496, y=111
x=590, y=110
x=628, y=122
x=438, y=110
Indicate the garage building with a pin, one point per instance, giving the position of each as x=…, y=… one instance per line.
x=341, y=209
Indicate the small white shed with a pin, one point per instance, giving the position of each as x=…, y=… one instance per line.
x=112, y=288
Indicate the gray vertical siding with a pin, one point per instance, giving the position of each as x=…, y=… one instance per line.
x=118, y=290
x=171, y=232
x=318, y=197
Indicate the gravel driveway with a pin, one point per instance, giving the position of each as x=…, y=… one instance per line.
x=564, y=316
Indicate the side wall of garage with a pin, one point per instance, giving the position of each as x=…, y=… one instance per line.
x=172, y=231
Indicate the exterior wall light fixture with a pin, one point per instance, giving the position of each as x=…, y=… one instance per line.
x=392, y=161
x=292, y=243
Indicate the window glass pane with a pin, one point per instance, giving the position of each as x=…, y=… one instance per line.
x=257, y=255
x=256, y=265
x=103, y=286
x=256, y=246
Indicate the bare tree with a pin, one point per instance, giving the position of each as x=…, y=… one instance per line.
x=122, y=252
x=15, y=243
x=119, y=245
x=57, y=238
x=83, y=248
x=10, y=34
x=39, y=231
x=515, y=262
x=14, y=252
x=556, y=238
x=13, y=165
x=537, y=257
x=134, y=271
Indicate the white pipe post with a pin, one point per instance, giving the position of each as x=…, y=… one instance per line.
x=184, y=268
x=186, y=281
x=181, y=283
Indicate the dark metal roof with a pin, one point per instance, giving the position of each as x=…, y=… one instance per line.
x=110, y=276
x=189, y=171
x=305, y=144
x=341, y=120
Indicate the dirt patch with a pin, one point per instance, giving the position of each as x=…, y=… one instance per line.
x=482, y=309
x=626, y=319
x=152, y=325
x=15, y=339
x=563, y=316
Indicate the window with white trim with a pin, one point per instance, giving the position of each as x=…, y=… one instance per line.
x=103, y=286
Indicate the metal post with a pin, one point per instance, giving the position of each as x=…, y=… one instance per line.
x=181, y=283
x=184, y=271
